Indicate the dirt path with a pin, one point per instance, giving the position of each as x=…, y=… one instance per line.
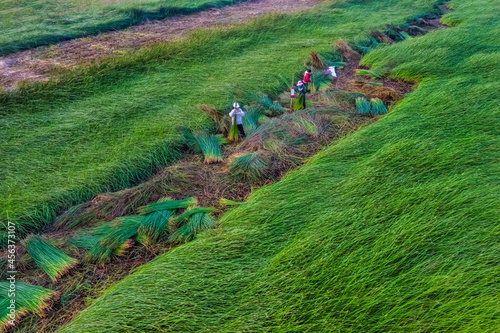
x=36, y=64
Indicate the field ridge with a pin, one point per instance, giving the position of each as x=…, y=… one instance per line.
x=130, y=16
x=394, y=228
x=95, y=134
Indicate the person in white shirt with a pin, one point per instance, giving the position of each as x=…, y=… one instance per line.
x=238, y=113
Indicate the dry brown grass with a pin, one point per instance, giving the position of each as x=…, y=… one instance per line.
x=346, y=51
x=317, y=62
x=381, y=37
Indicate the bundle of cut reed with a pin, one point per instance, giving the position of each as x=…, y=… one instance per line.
x=117, y=240
x=299, y=102
x=191, y=223
x=29, y=298
x=154, y=226
x=233, y=131
x=377, y=106
x=50, y=259
x=374, y=73
x=248, y=168
x=162, y=205
x=363, y=106
x=89, y=239
x=210, y=146
x=226, y=202
x=155, y=223
x=368, y=72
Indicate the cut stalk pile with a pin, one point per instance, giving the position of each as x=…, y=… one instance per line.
x=248, y=168
x=155, y=224
x=167, y=205
x=116, y=240
x=191, y=223
x=28, y=298
x=53, y=261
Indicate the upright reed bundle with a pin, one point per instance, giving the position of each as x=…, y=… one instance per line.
x=363, y=106
x=377, y=106
x=233, y=131
x=210, y=146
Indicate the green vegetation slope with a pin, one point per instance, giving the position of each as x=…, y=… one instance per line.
x=26, y=23
x=395, y=228
x=106, y=127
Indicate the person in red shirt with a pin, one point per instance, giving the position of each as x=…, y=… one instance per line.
x=307, y=77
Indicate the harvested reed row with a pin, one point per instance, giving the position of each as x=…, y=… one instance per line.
x=281, y=143
x=153, y=225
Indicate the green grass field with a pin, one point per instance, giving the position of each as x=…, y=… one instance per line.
x=108, y=126
x=393, y=229
x=26, y=23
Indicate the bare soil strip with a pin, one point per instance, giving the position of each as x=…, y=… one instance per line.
x=36, y=64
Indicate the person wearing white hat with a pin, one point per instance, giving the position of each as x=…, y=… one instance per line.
x=238, y=113
x=302, y=90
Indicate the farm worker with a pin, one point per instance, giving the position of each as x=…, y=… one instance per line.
x=301, y=89
x=307, y=78
x=238, y=113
